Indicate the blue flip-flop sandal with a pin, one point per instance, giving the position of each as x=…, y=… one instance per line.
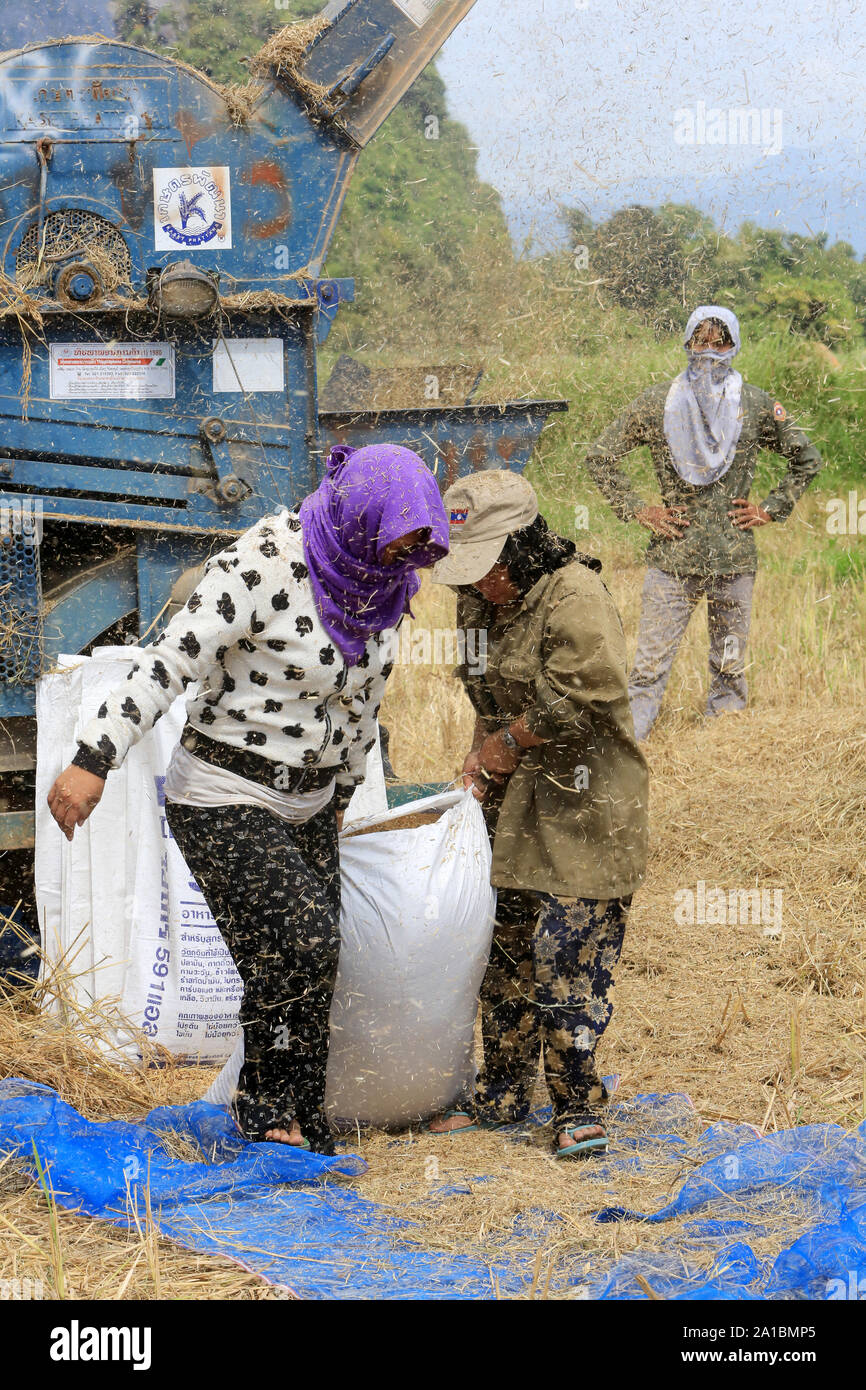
x=587, y=1147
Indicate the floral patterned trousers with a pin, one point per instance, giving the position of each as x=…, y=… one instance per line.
x=547, y=990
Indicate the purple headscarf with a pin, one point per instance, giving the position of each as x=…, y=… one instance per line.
x=369, y=497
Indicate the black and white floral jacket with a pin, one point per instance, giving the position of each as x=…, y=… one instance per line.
x=271, y=680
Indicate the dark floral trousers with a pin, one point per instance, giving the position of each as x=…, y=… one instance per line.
x=274, y=891
x=547, y=990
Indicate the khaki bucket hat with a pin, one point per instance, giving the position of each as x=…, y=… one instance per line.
x=482, y=512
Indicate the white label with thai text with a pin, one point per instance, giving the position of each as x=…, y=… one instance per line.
x=111, y=371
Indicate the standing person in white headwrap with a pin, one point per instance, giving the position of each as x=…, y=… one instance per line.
x=704, y=430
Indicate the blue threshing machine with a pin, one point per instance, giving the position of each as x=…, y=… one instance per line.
x=173, y=244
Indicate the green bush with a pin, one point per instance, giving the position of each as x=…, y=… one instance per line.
x=806, y=307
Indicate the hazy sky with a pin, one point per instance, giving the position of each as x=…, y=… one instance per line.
x=589, y=102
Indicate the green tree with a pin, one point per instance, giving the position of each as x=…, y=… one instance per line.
x=131, y=16
x=214, y=36
x=644, y=265
x=807, y=307
x=425, y=239
x=661, y=262
x=579, y=226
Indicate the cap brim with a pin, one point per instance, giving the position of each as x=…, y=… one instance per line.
x=467, y=563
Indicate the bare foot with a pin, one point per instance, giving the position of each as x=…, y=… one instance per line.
x=579, y=1136
x=287, y=1136
x=442, y=1126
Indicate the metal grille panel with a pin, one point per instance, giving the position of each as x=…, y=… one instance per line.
x=20, y=603
x=73, y=234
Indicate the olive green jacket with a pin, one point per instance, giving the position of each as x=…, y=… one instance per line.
x=572, y=819
x=711, y=544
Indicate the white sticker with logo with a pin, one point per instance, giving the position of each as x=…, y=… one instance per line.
x=111, y=371
x=419, y=11
x=192, y=208
x=248, y=364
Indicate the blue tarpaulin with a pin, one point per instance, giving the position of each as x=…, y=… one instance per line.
x=279, y=1211
x=289, y=1215
x=741, y=1182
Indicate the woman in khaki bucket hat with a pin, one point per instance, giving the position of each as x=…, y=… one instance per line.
x=563, y=787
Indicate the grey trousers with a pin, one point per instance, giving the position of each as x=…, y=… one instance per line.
x=668, y=603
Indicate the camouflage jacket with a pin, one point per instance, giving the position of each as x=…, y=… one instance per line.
x=572, y=819
x=711, y=544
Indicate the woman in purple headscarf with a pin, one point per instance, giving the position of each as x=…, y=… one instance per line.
x=287, y=635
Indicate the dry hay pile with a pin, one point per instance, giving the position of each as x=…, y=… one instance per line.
x=16, y=303
x=283, y=53
x=73, y=1256
x=763, y=1028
